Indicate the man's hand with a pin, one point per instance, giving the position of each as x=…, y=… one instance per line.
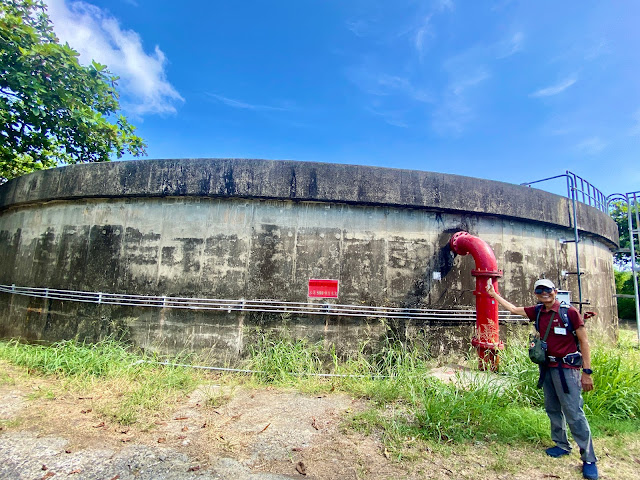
x=490, y=290
x=509, y=306
x=587, y=382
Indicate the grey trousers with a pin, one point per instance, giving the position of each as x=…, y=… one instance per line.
x=566, y=408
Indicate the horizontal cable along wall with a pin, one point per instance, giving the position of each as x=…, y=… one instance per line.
x=264, y=306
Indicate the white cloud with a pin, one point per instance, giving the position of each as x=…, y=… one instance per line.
x=455, y=111
x=445, y=5
x=98, y=36
x=554, y=89
x=591, y=146
x=377, y=84
x=392, y=117
x=359, y=28
x=245, y=106
x=510, y=46
x=423, y=31
x=457, y=107
x=461, y=85
x=596, y=51
x=392, y=82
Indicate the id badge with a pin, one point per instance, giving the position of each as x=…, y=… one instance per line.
x=559, y=330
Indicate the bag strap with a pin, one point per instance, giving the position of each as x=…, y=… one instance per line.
x=538, y=308
x=546, y=334
x=564, y=316
x=544, y=368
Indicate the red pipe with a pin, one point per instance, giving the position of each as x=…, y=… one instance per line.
x=487, y=338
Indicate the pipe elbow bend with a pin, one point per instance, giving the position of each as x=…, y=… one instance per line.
x=464, y=243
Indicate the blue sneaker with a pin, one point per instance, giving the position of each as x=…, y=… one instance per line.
x=589, y=470
x=556, y=452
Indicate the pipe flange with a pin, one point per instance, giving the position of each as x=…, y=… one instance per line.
x=486, y=273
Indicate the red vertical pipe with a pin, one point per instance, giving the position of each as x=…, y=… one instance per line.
x=487, y=337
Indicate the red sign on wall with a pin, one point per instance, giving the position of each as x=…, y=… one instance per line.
x=323, y=288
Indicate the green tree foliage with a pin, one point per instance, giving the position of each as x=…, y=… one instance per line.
x=618, y=212
x=624, y=278
x=53, y=110
x=624, y=285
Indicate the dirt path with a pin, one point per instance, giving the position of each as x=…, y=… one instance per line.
x=256, y=434
x=253, y=434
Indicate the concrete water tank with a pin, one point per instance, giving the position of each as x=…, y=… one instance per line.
x=158, y=231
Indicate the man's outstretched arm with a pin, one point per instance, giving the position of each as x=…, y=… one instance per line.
x=508, y=305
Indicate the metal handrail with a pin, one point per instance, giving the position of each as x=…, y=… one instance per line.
x=590, y=194
x=242, y=305
x=581, y=189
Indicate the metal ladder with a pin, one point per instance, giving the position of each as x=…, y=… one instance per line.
x=633, y=220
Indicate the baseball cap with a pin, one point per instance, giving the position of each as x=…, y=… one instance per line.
x=544, y=282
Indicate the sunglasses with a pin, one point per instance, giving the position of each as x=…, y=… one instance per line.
x=541, y=290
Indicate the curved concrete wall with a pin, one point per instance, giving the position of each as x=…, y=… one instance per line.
x=260, y=229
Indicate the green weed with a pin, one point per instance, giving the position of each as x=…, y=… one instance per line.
x=410, y=403
x=6, y=379
x=281, y=361
x=216, y=397
x=134, y=386
x=45, y=393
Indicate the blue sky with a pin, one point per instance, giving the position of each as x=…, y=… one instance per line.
x=507, y=90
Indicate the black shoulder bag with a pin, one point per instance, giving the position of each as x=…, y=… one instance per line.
x=538, y=346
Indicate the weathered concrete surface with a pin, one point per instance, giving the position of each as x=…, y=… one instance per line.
x=323, y=182
x=260, y=230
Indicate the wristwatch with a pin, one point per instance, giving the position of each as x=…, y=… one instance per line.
x=588, y=371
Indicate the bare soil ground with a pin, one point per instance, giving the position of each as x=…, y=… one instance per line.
x=222, y=432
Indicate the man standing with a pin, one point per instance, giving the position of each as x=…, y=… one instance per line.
x=562, y=380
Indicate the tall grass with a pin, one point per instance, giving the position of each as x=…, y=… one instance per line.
x=409, y=402
x=133, y=389
x=282, y=361
x=69, y=358
x=616, y=393
x=480, y=410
